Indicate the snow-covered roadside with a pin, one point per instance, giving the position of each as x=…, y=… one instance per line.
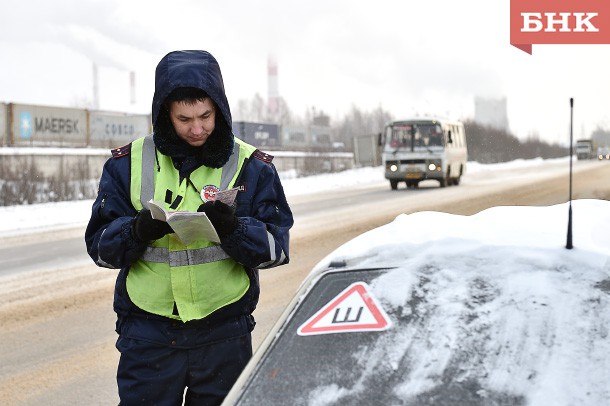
x=18, y=220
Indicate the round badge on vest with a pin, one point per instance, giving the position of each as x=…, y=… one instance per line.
x=208, y=193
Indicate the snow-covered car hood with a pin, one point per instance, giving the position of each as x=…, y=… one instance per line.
x=482, y=309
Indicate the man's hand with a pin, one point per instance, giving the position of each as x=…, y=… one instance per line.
x=222, y=217
x=145, y=228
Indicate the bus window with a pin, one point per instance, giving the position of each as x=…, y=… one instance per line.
x=433, y=135
x=399, y=136
x=420, y=135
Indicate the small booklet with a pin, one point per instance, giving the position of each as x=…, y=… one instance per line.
x=191, y=226
x=188, y=226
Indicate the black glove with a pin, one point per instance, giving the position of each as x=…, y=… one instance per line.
x=222, y=217
x=145, y=228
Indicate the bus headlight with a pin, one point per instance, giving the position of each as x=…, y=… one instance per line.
x=434, y=166
x=393, y=167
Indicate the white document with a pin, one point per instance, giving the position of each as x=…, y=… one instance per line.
x=187, y=225
x=227, y=196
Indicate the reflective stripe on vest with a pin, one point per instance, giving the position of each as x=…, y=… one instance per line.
x=185, y=257
x=147, y=187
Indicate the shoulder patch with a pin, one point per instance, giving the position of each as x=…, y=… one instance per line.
x=262, y=156
x=121, y=151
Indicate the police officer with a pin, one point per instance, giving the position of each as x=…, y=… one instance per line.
x=184, y=312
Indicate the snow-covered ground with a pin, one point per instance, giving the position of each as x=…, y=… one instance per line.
x=15, y=220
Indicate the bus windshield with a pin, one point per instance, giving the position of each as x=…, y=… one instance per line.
x=403, y=135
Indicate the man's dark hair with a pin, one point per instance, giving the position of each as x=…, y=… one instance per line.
x=186, y=94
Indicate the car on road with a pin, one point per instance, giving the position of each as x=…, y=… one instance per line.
x=441, y=309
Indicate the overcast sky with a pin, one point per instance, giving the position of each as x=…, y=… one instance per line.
x=409, y=57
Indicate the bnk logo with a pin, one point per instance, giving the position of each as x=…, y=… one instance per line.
x=559, y=22
x=532, y=22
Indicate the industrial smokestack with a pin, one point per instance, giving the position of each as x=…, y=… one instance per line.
x=132, y=86
x=273, y=95
x=96, y=93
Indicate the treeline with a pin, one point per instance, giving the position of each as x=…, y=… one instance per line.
x=490, y=145
x=485, y=144
x=22, y=182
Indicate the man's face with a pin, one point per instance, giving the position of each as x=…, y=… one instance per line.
x=193, y=122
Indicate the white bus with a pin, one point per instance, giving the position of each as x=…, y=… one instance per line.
x=424, y=148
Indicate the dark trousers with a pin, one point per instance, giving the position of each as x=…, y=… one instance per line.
x=159, y=360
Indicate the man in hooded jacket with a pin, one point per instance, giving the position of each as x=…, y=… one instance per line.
x=184, y=311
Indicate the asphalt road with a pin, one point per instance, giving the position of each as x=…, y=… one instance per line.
x=56, y=309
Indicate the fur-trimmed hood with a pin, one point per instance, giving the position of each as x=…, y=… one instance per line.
x=198, y=69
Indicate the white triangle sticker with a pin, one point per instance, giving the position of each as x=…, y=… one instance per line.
x=354, y=309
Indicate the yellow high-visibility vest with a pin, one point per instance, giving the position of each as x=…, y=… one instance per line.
x=197, y=278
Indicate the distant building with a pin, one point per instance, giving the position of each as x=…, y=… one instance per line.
x=491, y=112
x=321, y=119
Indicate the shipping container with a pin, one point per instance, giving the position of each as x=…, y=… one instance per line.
x=257, y=134
x=112, y=130
x=46, y=126
x=3, y=125
x=295, y=137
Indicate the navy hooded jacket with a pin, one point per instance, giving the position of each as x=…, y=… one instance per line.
x=261, y=208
